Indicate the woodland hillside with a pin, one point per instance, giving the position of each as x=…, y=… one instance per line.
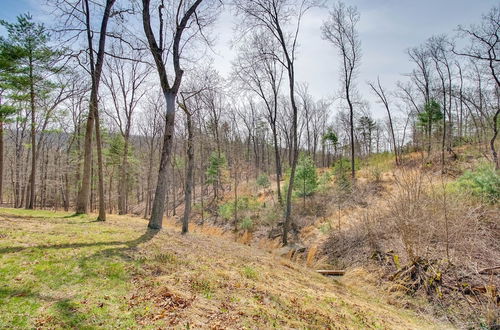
x=141, y=187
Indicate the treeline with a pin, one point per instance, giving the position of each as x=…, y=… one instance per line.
x=115, y=108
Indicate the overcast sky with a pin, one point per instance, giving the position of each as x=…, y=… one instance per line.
x=387, y=28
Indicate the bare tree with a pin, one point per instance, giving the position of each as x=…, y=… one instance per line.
x=78, y=19
x=340, y=30
x=281, y=19
x=485, y=41
x=380, y=92
x=183, y=16
x=262, y=74
x=190, y=103
x=124, y=80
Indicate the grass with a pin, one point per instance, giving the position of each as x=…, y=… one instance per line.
x=63, y=271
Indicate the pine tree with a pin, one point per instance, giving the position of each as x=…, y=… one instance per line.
x=34, y=65
x=431, y=114
x=8, y=59
x=307, y=178
x=214, y=172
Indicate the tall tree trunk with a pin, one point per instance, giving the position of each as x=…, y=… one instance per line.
x=189, y=175
x=351, y=123
x=123, y=186
x=95, y=70
x=294, y=155
x=102, y=200
x=493, y=138
x=278, y=165
x=155, y=222
x=31, y=200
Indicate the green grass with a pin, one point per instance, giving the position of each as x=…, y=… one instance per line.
x=250, y=272
x=60, y=271
x=73, y=273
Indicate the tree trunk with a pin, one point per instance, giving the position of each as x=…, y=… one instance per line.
x=294, y=155
x=31, y=201
x=492, y=141
x=156, y=220
x=189, y=175
x=95, y=70
x=278, y=166
x=351, y=123
x=102, y=201
x=122, y=191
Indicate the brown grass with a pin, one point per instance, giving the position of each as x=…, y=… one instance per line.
x=200, y=281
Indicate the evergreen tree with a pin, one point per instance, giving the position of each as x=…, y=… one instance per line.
x=8, y=59
x=329, y=139
x=366, y=126
x=306, y=176
x=263, y=181
x=431, y=114
x=35, y=63
x=216, y=166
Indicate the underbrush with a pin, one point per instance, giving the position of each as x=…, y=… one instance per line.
x=432, y=241
x=482, y=183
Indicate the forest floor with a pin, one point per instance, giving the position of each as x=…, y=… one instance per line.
x=58, y=270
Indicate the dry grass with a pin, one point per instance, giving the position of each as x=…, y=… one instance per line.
x=133, y=279
x=435, y=237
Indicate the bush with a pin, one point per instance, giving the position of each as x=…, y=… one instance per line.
x=484, y=183
x=271, y=215
x=245, y=203
x=226, y=210
x=325, y=178
x=250, y=273
x=263, y=181
x=306, y=178
x=246, y=224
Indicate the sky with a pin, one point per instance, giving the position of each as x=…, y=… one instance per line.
x=387, y=29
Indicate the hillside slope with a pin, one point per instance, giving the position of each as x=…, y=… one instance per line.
x=60, y=271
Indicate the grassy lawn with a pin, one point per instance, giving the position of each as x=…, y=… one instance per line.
x=58, y=270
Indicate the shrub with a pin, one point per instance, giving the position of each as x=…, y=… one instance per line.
x=271, y=215
x=325, y=177
x=263, y=181
x=246, y=224
x=382, y=160
x=245, y=203
x=326, y=227
x=484, y=183
x=306, y=177
x=226, y=210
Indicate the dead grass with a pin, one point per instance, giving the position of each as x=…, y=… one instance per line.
x=58, y=272
x=434, y=236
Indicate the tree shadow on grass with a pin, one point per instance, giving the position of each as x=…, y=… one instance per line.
x=66, y=310
x=6, y=292
x=98, y=265
x=51, y=217
x=147, y=236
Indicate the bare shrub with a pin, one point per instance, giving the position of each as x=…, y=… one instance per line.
x=430, y=239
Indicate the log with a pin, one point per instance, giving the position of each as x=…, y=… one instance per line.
x=331, y=272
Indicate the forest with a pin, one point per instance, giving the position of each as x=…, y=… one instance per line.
x=140, y=187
